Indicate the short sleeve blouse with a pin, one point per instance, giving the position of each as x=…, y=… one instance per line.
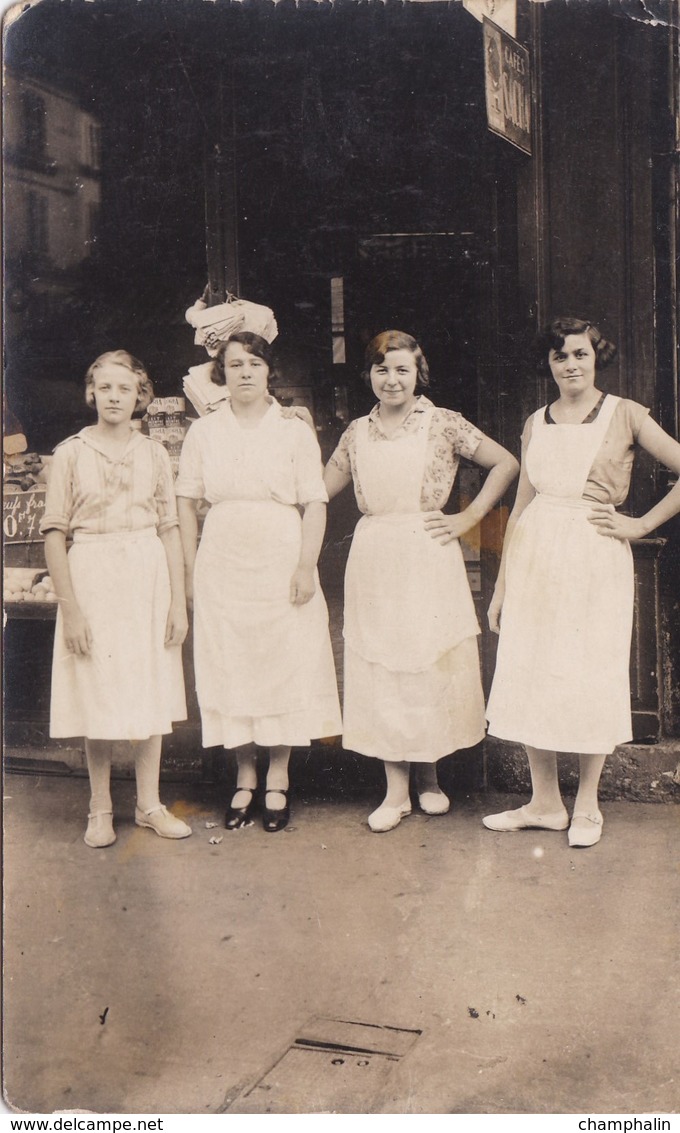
x=450, y=437
x=279, y=460
x=91, y=493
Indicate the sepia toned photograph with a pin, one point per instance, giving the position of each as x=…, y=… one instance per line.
x=341, y=485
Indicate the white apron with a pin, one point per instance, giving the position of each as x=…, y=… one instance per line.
x=264, y=667
x=412, y=683
x=407, y=596
x=561, y=681
x=131, y=686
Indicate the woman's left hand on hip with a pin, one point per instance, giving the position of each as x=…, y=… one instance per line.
x=446, y=528
x=609, y=521
x=302, y=586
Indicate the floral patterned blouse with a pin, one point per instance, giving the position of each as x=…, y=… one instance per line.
x=450, y=437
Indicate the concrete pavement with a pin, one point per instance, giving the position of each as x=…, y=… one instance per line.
x=156, y=976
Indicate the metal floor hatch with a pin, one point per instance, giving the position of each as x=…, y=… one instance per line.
x=332, y=1066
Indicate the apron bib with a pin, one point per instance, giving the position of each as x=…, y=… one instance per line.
x=561, y=679
x=407, y=597
x=559, y=457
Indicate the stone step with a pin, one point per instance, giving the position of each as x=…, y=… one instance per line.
x=639, y=772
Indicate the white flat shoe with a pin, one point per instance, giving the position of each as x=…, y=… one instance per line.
x=434, y=802
x=585, y=829
x=164, y=823
x=100, y=830
x=521, y=819
x=387, y=817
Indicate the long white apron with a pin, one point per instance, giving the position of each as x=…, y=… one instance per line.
x=264, y=667
x=562, y=672
x=131, y=686
x=412, y=683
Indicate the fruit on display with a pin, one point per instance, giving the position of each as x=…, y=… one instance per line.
x=25, y=584
x=24, y=471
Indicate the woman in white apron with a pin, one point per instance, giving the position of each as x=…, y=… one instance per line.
x=412, y=688
x=264, y=665
x=121, y=621
x=565, y=586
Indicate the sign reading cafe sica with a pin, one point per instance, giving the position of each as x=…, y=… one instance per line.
x=507, y=74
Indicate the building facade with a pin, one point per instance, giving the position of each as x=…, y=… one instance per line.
x=335, y=162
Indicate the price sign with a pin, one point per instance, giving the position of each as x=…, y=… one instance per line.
x=21, y=515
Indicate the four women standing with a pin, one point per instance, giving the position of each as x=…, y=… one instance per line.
x=264, y=666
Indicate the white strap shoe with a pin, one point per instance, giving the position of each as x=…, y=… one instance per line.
x=585, y=829
x=100, y=830
x=164, y=823
x=522, y=819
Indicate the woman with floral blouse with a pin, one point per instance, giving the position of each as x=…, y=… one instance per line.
x=412, y=688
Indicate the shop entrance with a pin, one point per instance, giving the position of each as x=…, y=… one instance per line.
x=427, y=285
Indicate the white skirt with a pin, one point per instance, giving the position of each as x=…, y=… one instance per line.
x=131, y=686
x=264, y=667
x=419, y=716
x=562, y=672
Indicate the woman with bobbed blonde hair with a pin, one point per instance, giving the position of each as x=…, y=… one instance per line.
x=117, y=665
x=128, y=362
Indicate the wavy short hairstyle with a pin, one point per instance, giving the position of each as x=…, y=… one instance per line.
x=128, y=362
x=253, y=344
x=388, y=340
x=553, y=335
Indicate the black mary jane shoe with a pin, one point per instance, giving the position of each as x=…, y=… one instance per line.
x=238, y=816
x=273, y=820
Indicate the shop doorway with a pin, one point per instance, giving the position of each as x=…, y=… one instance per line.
x=426, y=284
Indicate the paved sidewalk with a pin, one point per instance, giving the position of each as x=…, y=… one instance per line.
x=166, y=977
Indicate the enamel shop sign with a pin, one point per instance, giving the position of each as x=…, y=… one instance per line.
x=507, y=75
x=21, y=515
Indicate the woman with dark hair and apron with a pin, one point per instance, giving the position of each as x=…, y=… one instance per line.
x=564, y=595
x=412, y=688
x=264, y=664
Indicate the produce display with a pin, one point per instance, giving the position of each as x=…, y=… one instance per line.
x=24, y=471
x=25, y=584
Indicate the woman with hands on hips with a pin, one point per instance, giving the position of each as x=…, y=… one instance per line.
x=563, y=602
x=412, y=688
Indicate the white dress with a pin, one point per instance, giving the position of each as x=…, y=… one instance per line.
x=264, y=667
x=412, y=687
x=562, y=673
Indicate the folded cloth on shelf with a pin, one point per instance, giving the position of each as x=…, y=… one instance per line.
x=203, y=394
